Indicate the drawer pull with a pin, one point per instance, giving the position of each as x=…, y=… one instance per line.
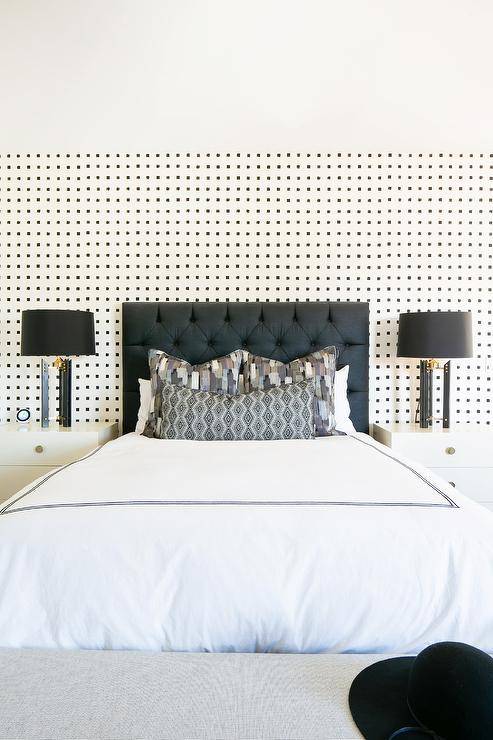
x=452, y=483
x=450, y=450
x=39, y=448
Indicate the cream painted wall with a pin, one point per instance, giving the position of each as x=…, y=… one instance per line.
x=207, y=75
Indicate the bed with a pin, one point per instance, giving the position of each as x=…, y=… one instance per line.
x=300, y=546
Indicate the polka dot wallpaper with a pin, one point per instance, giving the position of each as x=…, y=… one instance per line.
x=404, y=232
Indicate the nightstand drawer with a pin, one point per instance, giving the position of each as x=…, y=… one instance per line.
x=15, y=477
x=477, y=483
x=454, y=450
x=39, y=448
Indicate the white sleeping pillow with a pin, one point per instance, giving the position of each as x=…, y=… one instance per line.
x=341, y=403
x=145, y=404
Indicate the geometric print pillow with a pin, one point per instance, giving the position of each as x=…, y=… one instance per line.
x=285, y=412
x=220, y=376
x=263, y=373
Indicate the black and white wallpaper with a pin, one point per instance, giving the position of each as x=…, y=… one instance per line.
x=92, y=230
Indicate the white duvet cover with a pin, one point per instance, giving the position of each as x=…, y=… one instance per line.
x=301, y=546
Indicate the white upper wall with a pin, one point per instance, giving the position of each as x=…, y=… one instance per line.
x=197, y=75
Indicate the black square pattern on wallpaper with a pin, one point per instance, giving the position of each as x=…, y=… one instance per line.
x=402, y=231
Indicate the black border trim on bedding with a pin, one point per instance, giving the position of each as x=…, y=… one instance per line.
x=157, y=502
x=408, y=467
x=46, y=478
x=168, y=502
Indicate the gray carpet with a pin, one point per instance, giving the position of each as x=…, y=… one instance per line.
x=122, y=695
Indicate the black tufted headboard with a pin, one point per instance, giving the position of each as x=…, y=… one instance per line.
x=197, y=332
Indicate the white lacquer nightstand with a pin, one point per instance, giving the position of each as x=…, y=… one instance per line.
x=462, y=456
x=28, y=451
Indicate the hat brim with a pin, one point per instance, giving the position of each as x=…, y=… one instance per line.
x=378, y=700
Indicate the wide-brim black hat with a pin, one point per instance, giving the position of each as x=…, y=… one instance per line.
x=446, y=692
x=378, y=699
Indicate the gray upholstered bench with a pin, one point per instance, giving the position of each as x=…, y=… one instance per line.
x=120, y=695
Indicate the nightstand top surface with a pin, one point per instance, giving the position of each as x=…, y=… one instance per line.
x=93, y=427
x=436, y=429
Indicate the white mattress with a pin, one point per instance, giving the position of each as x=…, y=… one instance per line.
x=328, y=545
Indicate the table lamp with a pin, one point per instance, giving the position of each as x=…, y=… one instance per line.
x=430, y=336
x=61, y=333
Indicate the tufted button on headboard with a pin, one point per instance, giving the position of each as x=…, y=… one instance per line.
x=198, y=332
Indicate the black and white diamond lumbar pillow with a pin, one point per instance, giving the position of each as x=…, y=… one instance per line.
x=283, y=412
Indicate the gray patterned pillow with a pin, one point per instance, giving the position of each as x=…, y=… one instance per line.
x=220, y=375
x=262, y=373
x=279, y=413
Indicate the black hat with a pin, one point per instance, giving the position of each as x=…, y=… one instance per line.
x=445, y=692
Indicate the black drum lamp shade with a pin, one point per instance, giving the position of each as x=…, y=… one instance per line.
x=57, y=332
x=435, y=334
